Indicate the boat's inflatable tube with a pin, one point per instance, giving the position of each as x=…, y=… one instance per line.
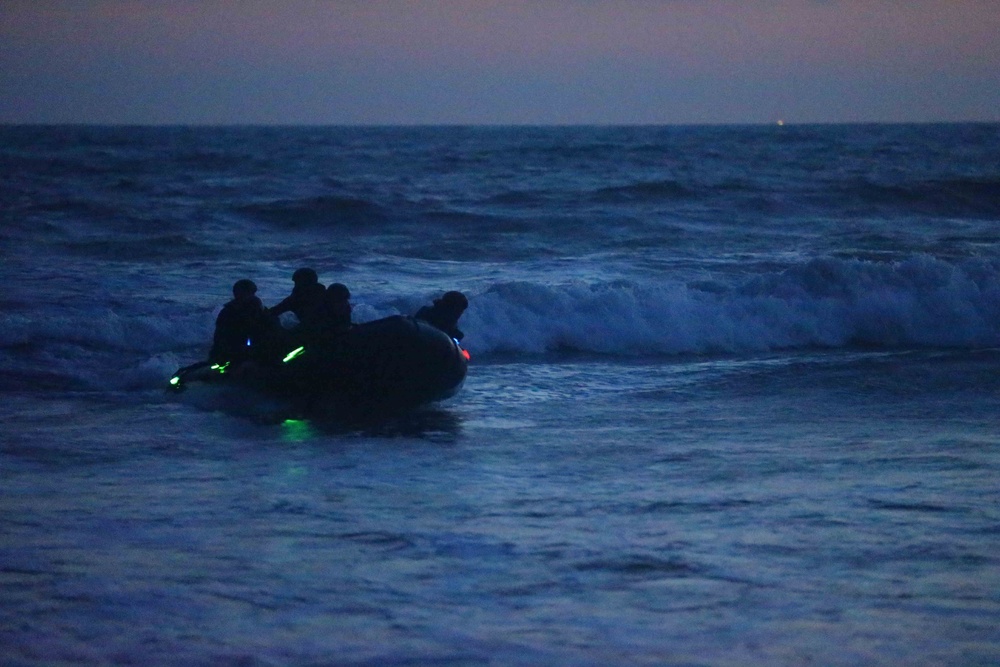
x=395, y=362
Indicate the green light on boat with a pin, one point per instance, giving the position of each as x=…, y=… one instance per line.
x=221, y=368
x=294, y=353
x=175, y=381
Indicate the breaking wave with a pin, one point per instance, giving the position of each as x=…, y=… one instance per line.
x=823, y=303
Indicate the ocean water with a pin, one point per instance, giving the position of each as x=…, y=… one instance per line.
x=734, y=398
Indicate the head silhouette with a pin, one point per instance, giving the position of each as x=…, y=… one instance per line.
x=338, y=291
x=244, y=288
x=453, y=302
x=305, y=276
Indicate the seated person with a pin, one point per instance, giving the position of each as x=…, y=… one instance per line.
x=445, y=312
x=306, y=300
x=239, y=325
x=338, y=308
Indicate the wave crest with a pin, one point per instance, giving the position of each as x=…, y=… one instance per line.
x=826, y=302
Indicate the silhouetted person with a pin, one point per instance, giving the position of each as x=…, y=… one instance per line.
x=306, y=300
x=239, y=325
x=445, y=312
x=338, y=308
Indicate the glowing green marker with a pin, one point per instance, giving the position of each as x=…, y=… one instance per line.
x=294, y=353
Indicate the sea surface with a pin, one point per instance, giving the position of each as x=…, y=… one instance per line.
x=733, y=400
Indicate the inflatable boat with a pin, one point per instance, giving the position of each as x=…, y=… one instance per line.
x=393, y=363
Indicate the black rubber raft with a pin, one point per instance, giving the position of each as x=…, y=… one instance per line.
x=390, y=364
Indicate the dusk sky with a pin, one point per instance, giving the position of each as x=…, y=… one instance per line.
x=498, y=61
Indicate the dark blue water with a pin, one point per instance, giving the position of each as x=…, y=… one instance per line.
x=733, y=398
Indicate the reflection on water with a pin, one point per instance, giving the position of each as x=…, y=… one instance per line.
x=297, y=430
x=432, y=424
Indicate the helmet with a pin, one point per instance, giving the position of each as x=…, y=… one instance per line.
x=454, y=300
x=305, y=276
x=244, y=286
x=339, y=291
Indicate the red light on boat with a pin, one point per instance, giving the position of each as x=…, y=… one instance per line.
x=465, y=353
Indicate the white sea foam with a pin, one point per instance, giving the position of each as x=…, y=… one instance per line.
x=827, y=302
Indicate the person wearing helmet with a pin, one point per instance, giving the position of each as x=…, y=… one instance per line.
x=445, y=312
x=338, y=308
x=306, y=300
x=240, y=324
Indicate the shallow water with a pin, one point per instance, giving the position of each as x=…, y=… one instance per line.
x=687, y=521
